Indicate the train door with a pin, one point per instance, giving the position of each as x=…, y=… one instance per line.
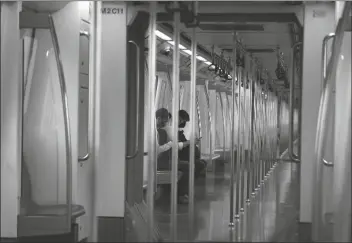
x=342, y=152
x=332, y=198
x=135, y=207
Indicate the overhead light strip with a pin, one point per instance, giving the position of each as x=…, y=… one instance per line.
x=183, y=49
x=180, y=46
x=200, y=58
x=163, y=36
x=187, y=52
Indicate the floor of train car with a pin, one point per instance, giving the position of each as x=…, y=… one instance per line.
x=274, y=212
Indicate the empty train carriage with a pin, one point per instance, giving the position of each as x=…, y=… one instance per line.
x=175, y=121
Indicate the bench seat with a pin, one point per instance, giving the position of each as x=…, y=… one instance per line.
x=56, y=210
x=207, y=156
x=162, y=178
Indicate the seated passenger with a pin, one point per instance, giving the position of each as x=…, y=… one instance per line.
x=165, y=154
x=184, y=153
x=162, y=125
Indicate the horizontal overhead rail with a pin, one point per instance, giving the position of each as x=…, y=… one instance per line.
x=254, y=50
x=186, y=41
x=164, y=63
x=237, y=17
x=231, y=27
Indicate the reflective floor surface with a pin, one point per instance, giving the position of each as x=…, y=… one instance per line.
x=272, y=214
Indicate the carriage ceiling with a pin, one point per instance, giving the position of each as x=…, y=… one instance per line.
x=262, y=27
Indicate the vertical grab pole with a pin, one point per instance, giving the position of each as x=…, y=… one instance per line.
x=66, y=114
x=152, y=128
x=278, y=125
x=229, y=115
x=266, y=132
x=250, y=134
x=254, y=137
x=272, y=123
x=242, y=104
x=260, y=136
x=239, y=145
x=252, y=158
x=175, y=108
x=223, y=124
x=193, y=85
x=292, y=155
x=96, y=63
x=198, y=117
x=232, y=178
x=206, y=90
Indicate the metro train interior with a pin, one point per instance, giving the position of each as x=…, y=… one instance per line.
x=181, y=121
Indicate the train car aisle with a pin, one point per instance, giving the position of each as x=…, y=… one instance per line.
x=274, y=210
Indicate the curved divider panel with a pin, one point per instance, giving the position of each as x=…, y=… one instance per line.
x=204, y=117
x=48, y=185
x=43, y=125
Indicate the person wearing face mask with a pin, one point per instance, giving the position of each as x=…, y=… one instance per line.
x=170, y=119
x=184, y=153
x=164, y=152
x=183, y=118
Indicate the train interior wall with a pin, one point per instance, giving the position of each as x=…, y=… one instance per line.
x=33, y=149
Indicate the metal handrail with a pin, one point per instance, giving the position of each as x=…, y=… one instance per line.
x=223, y=123
x=194, y=101
x=292, y=155
x=232, y=162
x=324, y=63
x=151, y=122
x=325, y=53
x=207, y=98
x=136, y=149
x=64, y=99
x=84, y=33
x=175, y=120
x=198, y=115
x=322, y=117
x=90, y=100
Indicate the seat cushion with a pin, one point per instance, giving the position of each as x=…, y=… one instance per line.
x=56, y=210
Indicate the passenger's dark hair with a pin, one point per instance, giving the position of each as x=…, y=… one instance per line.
x=170, y=116
x=162, y=113
x=184, y=115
